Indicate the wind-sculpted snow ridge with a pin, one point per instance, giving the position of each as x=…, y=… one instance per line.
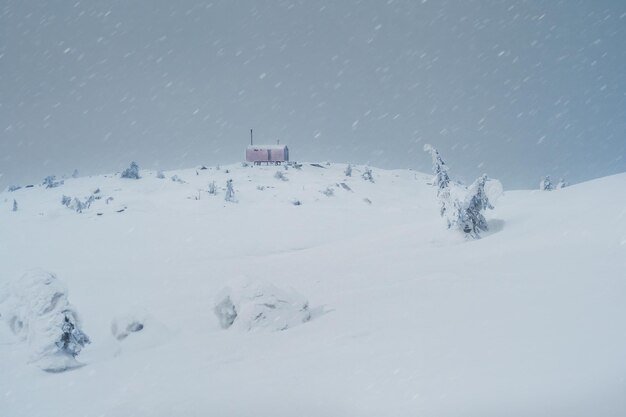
x=259, y=305
x=37, y=311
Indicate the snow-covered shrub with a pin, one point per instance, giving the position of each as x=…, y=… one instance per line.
x=132, y=171
x=279, y=175
x=66, y=200
x=14, y=205
x=212, y=188
x=78, y=206
x=546, y=184
x=251, y=306
x=13, y=188
x=348, y=171
x=136, y=329
x=328, y=192
x=160, y=175
x=367, y=175
x=125, y=324
x=561, y=184
x=51, y=182
x=36, y=308
x=75, y=173
x=230, y=192
x=176, y=178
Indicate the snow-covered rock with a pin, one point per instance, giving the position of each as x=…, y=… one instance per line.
x=259, y=305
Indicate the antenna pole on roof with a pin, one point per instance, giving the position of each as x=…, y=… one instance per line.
x=251, y=138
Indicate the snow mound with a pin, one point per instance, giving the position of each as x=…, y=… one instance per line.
x=137, y=329
x=259, y=305
x=37, y=311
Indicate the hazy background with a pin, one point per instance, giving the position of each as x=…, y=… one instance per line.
x=517, y=89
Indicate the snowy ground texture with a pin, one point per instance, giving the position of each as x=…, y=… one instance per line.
x=365, y=304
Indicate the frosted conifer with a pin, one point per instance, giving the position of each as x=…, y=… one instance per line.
x=546, y=184
x=230, y=192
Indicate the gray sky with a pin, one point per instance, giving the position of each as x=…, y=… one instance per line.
x=514, y=89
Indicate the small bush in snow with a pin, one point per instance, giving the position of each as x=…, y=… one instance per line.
x=253, y=306
x=367, y=175
x=37, y=311
x=348, y=171
x=546, y=184
x=137, y=328
x=279, y=175
x=561, y=184
x=131, y=172
x=14, y=205
x=51, y=182
x=13, y=188
x=123, y=326
x=328, y=192
x=160, y=175
x=212, y=188
x=176, y=178
x=230, y=192
x=77, y=205
x=75, y=173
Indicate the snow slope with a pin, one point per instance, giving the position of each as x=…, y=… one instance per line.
x=411, y=319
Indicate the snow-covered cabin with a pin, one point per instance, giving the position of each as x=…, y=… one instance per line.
x=267, y=153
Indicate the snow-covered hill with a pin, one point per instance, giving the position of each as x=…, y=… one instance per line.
x=407, y=318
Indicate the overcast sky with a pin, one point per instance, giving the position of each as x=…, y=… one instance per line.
x=516, y=89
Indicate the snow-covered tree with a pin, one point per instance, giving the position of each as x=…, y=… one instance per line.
x=66, y=200
x=441, y=180
x=461, y=207
x=561, y=184
x=14, y=205
x=470, y=213
x=368, y=175
x=546, y=184
x=440, y=169
x=348, y=171
x=212, y=189
x=160, y=175
x=51, y=182
x=230, y=192
x=75, y=173
x=37, y=310
x=132, y=171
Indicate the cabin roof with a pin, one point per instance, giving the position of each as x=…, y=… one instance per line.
x=277, y=147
